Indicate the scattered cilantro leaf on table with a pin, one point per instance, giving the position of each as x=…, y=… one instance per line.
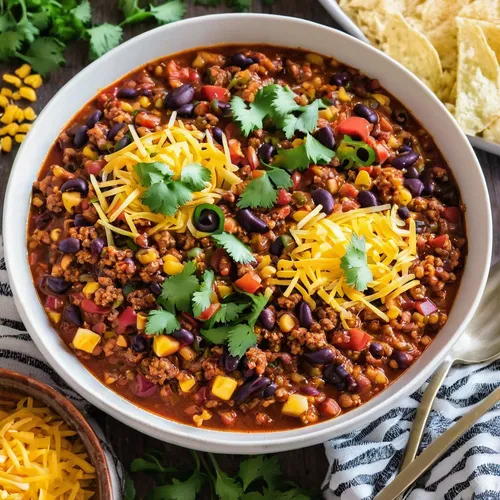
x=202, y=297
x=237, y=250
x=354, y=264
x=103, y=38
x=169, y=12
x=44, y=55
x=179, y=490
x=178, y=289
x=161, y=321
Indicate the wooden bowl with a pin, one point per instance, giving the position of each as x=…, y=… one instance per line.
x=21, y=384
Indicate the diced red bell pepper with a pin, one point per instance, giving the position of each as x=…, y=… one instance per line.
x=284, y=197
x=53, y=303
x=349, y=191
x=357, y=339
x=235, y=150
x=439, y=241
x=89, y=306
x=381, y=153
x=209, y=312
x=128, y=317
x=116, y=208
x=452, y=214
x=249, y=282
x=94, y=167
x=253, y=159
x=385, y=124
x=426, y=307
x=209, y=92
x=369, y=170
x=355, y=127
x=296, y=178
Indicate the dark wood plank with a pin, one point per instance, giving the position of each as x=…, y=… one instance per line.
x=307, y=466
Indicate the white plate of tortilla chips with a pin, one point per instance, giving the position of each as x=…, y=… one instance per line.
x=453, y=46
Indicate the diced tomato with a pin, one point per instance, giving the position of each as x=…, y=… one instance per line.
x=94, y=167
x=296, y=178
x=349, y=191
x=357, y=339
x=385, y=124
x=128, y=317
x=33, y=258
x=452, y=214
x=89, y=306
x=210, y=92
x=367, y=169
x=284, y=197
x=381, y=153
x=148, y=120
x=235, y=150
x=209, y=312
x=439, y=241
x=193, y=75
x=426, y=307
x=257, y=173
x=407, y=304
x=363, y=382
x=53, y=303
x=253, y=159
x=116, y=208
x=231, y=130
x=355, y=127
x=249, y=282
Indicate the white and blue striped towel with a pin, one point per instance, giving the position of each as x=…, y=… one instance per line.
x=19, y=353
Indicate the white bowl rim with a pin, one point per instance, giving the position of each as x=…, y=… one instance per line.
x=63, y=361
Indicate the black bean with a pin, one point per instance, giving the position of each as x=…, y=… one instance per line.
x=221, y=107
x=241, y=60
x=309, y=390
x=127, y=93
x=57, y=285
x=341, y=371
x=428, y=181
x=331, y=377
x=305, y=315
x=351, y=383
x=266, y=152
x=365, y=112
x=411, y=173
x=402, y=359
x=403, y=213
x=415, y=186
x=217, y=134
x=179, y=96
x=320, y=357
x=419, y=225
x=367, y=199
x=323, y=197
x=183, y=336
x=140, y=344
x=405, y=160
x=326, y=137
x=96, y=247
x=341, y=78
x=113, y=131
x=124, y=141
x=251, y=222
x=376, y=349
x=267, y=318
x=78, y=185
x=400, y=116
x=69, y=245
x=250, y=388
x=155, y=287
x=230, y=362
x=448, y=194
x=186, y=109
x=81, y=138
x=72, y=314
x=277, y=247
x=81, y=221
x=269, y=390
x=43, y=220
x=94, y=118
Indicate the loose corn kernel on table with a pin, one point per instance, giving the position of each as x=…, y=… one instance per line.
x=308, y=466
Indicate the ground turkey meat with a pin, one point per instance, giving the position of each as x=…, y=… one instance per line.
x=388, y=182
x=159, y=370
x=328, y=318
x=209, y=368
x=165, y=242
x=256, y=359
x=108, y=294
x=141, y=299
x=300, y=337
x=289, y=303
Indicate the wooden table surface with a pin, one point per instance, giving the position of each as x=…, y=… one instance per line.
x=307, y=467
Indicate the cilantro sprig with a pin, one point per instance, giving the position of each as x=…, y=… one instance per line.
x=237, y=250
x=354, y=264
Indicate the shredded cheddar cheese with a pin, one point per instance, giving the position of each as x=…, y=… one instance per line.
x=118, y=196
x=313, y=266
x=40, y=458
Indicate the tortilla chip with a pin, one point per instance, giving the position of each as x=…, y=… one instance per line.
x=478, y=79
x=492, y=33
x=447, y=91
x=484, y=10
x=492, y=132
x=365, y=14
x=413, y=50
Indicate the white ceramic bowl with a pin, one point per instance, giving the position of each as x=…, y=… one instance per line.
x=243, y=28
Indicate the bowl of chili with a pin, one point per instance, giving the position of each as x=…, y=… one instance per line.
x=245, y=243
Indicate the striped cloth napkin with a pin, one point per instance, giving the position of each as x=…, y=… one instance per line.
x=19, y=353
x=364, y=461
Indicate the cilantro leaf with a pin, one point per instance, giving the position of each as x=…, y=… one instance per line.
x=129, y=7
x=259, y=303
x=7, y=22
x=180, y=193
x=250, y=470
x=44, y=55
x=280, y=178
x=240, y=339
x=195, y=176
x=201, y=298
x=10, y=43
x=179, y=490
x=354, y=264
x=149, y=464
x=83, y=12
x=229, y=312
x=178, y=289
x=284, y=101
x=259, y=192
x=39, y=19
x=169, y=11
x=129, y=492
x=271, y=470
x=237, y=250
x=158, y=199
x=103, y=38
x=305, y=122
x=216, y=335
x=299, y=158
x=27, y=29
x=151, y=173
x=316, y=152
x=161, y=321
x=226, y=487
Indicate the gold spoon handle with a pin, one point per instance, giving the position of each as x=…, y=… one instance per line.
x=423, y=411
x=405, y=478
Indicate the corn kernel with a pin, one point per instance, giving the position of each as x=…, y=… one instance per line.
x=326, y=114
x=382, y=99
x=90, y=153
x=23, y=71
x=165, y=345
x=172, y=268
x=315, y=59
x=146, y=256
x=4, y=102
x=58, y=171
x=19, y=116
x=224, y=290
x=36, y=201
x=6, y=144
x=393, y=312
x=266, y=261
x=24, y=128
x=70, y=200
x=187, y=353
x=54, y=316
x=144, y=102
x=6, y=92
x=297, y=142
x=11, y=129
x=86, y=340
x=223, y=387
x=29, y=114
x=295, y=405
x=66, y=261
x=393, y=143
x=121, y=340
x=402, y=196
x=343, y=95
x=19, y=138
x=17, y=96
x=90, y=288
x=286, y=323
x=141, y=321
x=34, y=81
x=363, y=179
x=10, y=114
x=299, y=215
x=55, y=234
x=125, y=106
x=12, y=79
x=110, y=379
x=187, y=384
x=28, y=93
x=267, y=272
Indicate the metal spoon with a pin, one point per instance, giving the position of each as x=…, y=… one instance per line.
x=480, y=343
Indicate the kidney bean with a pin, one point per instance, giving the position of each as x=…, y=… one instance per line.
x=127, y=93
x=72, y=314
x=186, y=109
x=217, y=134
x=326, y=137
x=365, y=112
x=69, y=245
x=266, y=152
x=367, y=199
x=403, y=359
x=331, y=376
x=43, y=220
x=242, y=61
x=96, y=247
x=339, y=79
x=415, y=186
x=320, y=357
x=310, y=391
x=269, y=390
x=81, y=221
x=351, y=383
x=123, y=142
x=376, y=350
x=140, y=343
x=277, y=247
x=305, y=315
x=57, y=285
x=183, y=336
x=113, y=131
x=94, y=118
x=230, y=362
x=78, y=185
x=403, y=213
x=251, y=222
x=405, y=160
x=81, y=138
x=250, y=388
x=155, y=287
x=267, y=318
x=323, y=197
x=411, y=173
x=179, y=96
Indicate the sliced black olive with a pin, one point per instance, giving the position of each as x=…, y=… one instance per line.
x=208, y=218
